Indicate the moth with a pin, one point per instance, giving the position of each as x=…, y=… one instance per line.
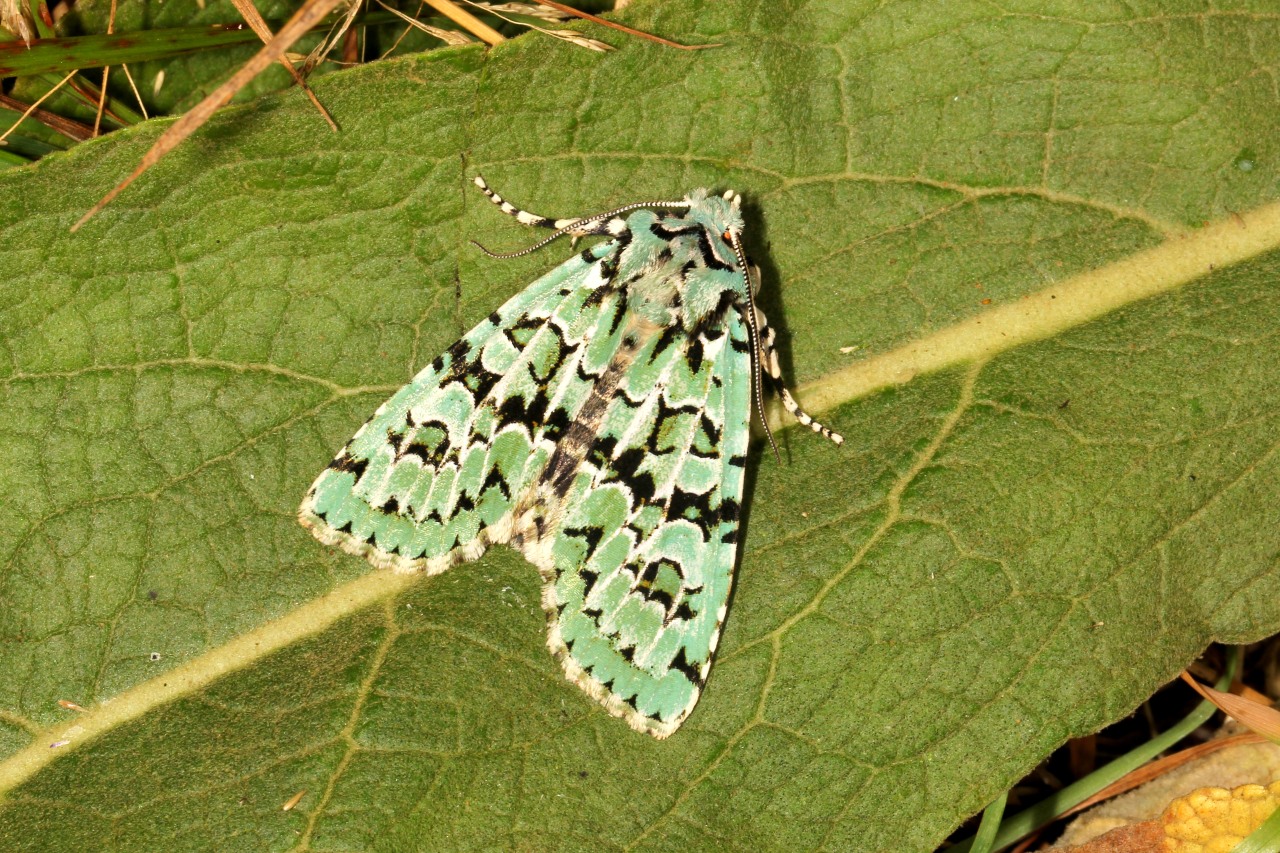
x=598, y=423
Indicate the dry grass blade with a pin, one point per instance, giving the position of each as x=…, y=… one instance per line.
x=67, y=127
x=13, y=17
x=106, y=72
x=569, y=10
x=577, y=38
x=134, y=86
x=1254, y=716
x=467, y=21
x=337, y=33
x=253, y=18
x=446, y=36
x=102, y=100
x=564, y=35
x=303, y=20
x=88, y=94
x=532, y=9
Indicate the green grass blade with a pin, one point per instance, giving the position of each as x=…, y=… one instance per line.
x=60, y=55
x=1265, y=839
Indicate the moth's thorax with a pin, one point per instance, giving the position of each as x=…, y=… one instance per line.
x=679, y=268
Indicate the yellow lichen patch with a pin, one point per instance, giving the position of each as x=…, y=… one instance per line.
x=1214, y=820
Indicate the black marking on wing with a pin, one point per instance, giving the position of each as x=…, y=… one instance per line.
x=515, y=409
x=589, y=579
x=644, y=584
x=350, y=464
x=694, y=354
x=457, y=352
x=426, y=452
x=601, y=452
x=495, y=480
x=683, y=611
x=520, y=332
x=590, y=535
x=626, y=469
x=708, y=435
x=595, y=297
x=619, y=311
x=730, y=509
x=663, y=599
x=609, y=266
x=553, y=367
x=584, y=375
x=666, y=410
x=480, y=382
x=556, y=425
x=650, y=572
x=666, y=338
x=665, y=232
x=681, y=663
x=693, y=506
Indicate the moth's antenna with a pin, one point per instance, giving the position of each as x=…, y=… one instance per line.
x=598, y=224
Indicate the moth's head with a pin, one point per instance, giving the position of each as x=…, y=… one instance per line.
x=721, y=215
x=712, y=263
x=722, y=218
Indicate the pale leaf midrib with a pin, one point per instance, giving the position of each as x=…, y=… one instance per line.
x=307, y=620
x=1061, y=306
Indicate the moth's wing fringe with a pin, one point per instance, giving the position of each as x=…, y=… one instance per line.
x=589, y=684
x=498, y=533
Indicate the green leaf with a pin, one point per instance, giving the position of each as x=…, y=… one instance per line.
x=1054, y=240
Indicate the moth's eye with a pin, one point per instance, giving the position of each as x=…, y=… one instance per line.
x=726, y=236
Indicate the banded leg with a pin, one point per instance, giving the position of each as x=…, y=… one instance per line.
x=769, y=361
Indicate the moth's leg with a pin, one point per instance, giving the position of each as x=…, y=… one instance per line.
x=524, y=217
x=769, y=361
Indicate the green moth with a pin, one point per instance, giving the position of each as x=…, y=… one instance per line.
x=598, y=423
